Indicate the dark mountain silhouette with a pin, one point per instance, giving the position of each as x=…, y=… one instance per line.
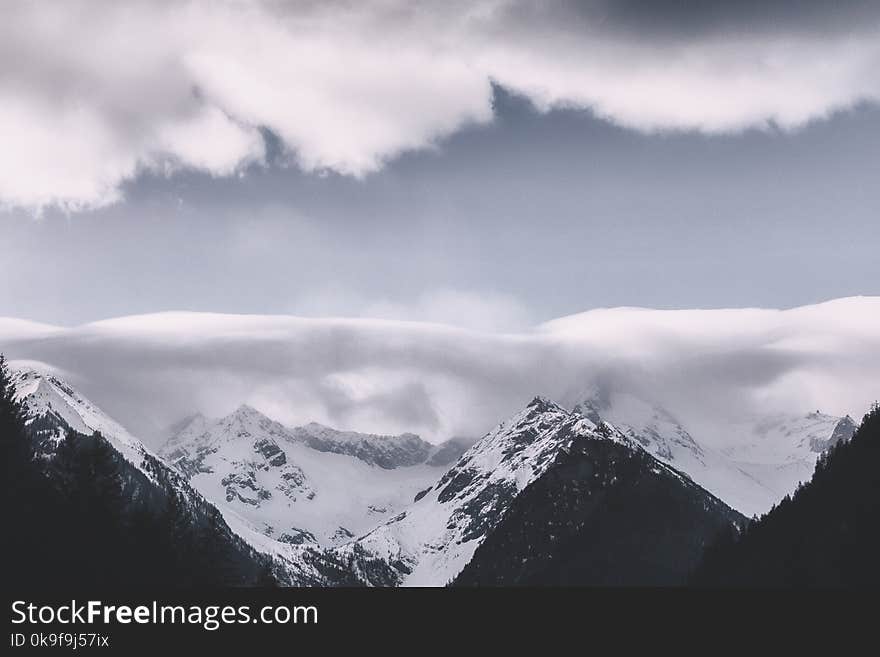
x=606, y=513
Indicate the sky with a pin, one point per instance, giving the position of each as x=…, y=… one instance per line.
x=489, y=166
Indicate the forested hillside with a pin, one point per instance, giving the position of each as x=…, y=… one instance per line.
x=76, y=512
x=826, y=535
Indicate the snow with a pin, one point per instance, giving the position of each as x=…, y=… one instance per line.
x=44, y=392
x=314, y=491
x=269, y=482
x=437, y=536
x=781, y=450
x=40, y=388
x=766, y=457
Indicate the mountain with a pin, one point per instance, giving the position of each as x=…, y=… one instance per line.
x=387, y=452
x=49, y=399
x=548, y=496
x=55, y=410
x=826, y=535
x=125, y=517
x=434, y=539
x=309, y=485
x=449, y=451
x=781, y=450
x=765, y=460
x=287, y=495
x=604, y=513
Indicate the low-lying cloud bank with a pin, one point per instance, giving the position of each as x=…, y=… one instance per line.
x=709, y=366
x=92, y=93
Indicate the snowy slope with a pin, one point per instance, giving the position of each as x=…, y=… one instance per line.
x=43, y=392
x=291, y=487
x=45, y=395
x=431, y=541
x=340, y=507
x=768, y=459
x=781, y=450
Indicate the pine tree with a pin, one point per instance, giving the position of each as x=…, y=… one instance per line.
x=179, y=543
x=266, y=576
x=30, y=511
x=16, y=454
x=217, y=561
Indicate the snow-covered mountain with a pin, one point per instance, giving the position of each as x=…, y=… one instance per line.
x=431, y=541
x=605, y=513
x=53, y=407
x=435, y=538
x=781, y=450
x=48, y=396
x=769, y=456
x=333, y=507
x=277, y=493
x=303, y=485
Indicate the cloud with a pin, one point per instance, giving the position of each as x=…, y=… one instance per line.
x=93, y=93
x=707, y=366
x=479, y=311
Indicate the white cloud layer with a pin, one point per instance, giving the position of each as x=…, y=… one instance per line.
x=708, y=366
x=479, y=311
x=91, y=93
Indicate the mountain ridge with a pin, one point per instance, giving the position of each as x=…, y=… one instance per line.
x=750, y=486
x=311, y=485
x=49, y=403
x=438, y=536
x=332, y=514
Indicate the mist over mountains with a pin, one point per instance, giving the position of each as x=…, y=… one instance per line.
x=709, y=368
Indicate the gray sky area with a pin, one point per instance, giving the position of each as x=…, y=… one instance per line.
x=490, y=163
x=536, y=215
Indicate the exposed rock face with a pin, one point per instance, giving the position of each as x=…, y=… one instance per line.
x=305, y=485
x=387, y=452
x=843, y=431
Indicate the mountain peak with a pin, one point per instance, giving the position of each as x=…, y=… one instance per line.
x=44, y=394
x=186, y=424
x=843, y=431
x=246, y=413
x=543, y=405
